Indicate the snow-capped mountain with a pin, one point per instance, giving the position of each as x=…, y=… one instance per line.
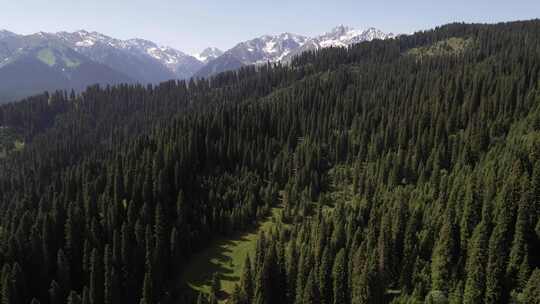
x=340, y=36
x=102, y=48
x=75, y=59
x=285, y=46
x=208, y=54
x=33, y=63
x=268, y=48
x=343, y=36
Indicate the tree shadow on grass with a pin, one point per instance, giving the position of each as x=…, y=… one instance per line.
x=216, y=258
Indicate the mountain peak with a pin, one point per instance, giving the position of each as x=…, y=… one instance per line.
x=208, y=54
x=267, y=48
x=342, y=36
x=99, y=46
x=211, y=50
x=340, y=29
x=284, y=47
x=6, y=33
x=140, y=43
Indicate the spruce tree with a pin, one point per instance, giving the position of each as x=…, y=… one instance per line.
x=247, y=279
x=96, y=278
x=339, y=276
x=442, y=259
x=311, y=290
x=531, y=292
x=476, y=265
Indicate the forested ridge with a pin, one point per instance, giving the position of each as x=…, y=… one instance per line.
x=408, y=171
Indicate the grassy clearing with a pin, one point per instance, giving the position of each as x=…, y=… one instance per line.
x=19, y=145
x=226, y=257
x=56, y=56
x=70, y=63
x=10, y=141
x=47, y=56
x=451, y=46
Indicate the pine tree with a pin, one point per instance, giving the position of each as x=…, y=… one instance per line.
x=364, y=290
x=160, y=254
x=339, y=275
x=247, y=278
x=531, y=292
x=6, y=284
x=443, y=256
x=292, y=272
x=175, y=249
x=237, y=296
x=96, y=278
x=148, y=287
x=471, y=212
x=499, y=243
x=74, y=244
x=325, y=277
x=215, y=288
x=63, y=274
x=522, y=232
x=107, y=286
x=311, y=290
x=147, y=290
x=476, y=263
x=19, y=289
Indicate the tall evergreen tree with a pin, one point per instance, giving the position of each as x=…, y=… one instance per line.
x=339, y=276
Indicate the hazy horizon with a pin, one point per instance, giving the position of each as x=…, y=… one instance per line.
x=192, y=26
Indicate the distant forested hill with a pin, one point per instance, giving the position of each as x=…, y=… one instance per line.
x=408, y=171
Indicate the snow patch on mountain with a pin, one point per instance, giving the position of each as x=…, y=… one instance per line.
x=284, y=47
x=267, y=48
x=208, y=54
x=172, y=59
x=340, y=36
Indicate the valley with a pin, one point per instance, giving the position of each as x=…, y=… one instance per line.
x=368, y=169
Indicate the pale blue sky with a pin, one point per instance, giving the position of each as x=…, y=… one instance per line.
x=192, y=25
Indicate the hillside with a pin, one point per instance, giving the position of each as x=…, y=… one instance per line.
x=95, y=58
x=52, y=66
x=408, y=171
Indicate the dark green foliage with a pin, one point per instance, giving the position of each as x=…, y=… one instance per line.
x=476, y=263
x=339, y=276
x=215, y=288
x=247, y=281
x=96, y=278
x=442, y=260
x=401, y=178
x=311, y=291
x=531, y=292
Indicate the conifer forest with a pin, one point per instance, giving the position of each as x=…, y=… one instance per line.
x=404, y=170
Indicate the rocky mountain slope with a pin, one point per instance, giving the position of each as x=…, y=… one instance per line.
x=285, y=46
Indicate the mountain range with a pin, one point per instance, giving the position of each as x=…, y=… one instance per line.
x=284, y=47
x=42, y=61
